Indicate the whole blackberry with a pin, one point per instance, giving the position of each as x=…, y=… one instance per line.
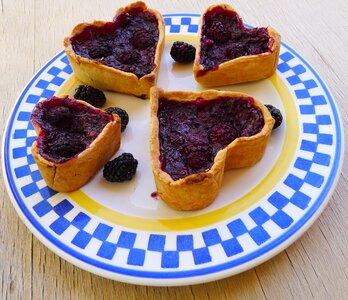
x=276, y=115
x=120, y=169
x=91, y=95
x=182, y=52
x=121, y=113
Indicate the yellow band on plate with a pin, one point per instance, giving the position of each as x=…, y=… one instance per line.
x=186, y=223
x=179, y=37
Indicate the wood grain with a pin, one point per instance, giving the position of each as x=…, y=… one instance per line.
x=314, y=267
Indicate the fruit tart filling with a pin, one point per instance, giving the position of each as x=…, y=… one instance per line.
x=67, y=127
x=224, y=38
x=127, y=44
x=192, y=132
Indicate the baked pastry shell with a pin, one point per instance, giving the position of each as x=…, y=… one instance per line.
x=199, y=190
x=77, y=171
x=104, y=77
x=241, y=69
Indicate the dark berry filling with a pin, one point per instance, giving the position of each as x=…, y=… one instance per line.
x=191, y=133
x=127, y=44
x=224, y=38
x=67, y=127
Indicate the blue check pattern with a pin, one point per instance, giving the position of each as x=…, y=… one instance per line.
x=232, y=238
x=181, y=25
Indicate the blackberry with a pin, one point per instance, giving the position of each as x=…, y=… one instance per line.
x=276, y=115
x=142, y=39
x=182, y=52
x=207, y=43
x=197, y=155
x=120, y=169
x=61, y=117
x=67, y=149
x=99, y=51
x=121, y=113
x=128, y=57
x=91, y=95
x=218, y=32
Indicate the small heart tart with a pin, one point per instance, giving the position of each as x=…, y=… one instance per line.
x=230, y=53
x=196, y=136
x=123, y=55
x=74, y=140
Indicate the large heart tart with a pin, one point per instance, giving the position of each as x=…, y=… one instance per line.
x=229, y=53
x=123, y=55
x=196, y=136
x=74, y=140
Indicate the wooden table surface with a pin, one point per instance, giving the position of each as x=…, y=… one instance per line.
x=314, y=267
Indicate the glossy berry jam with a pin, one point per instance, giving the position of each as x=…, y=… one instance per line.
x=67, y=127
x=224, y=38
x=191, y=133
x=127, y=44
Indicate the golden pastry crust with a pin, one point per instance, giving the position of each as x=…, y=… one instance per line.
x=241, y=69
x=197, y=191
x=107, y=78
x=74, y=173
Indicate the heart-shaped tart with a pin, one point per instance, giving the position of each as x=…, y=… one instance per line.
x=230, y=53
x=74, y=140
x=123, y=55
x=196, y=136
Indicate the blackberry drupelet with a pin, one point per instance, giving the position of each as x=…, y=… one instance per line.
x=120, y=169
x=91, y=95
x=182, y=52
x=121, y=113
x=276, y=115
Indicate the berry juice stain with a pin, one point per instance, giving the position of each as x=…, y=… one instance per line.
x=154, y=195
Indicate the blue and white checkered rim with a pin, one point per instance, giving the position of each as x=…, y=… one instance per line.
x=192, y=256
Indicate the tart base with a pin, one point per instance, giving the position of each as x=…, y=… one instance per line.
x=77, y=171
x=241, y=69
x=199, y=190
x=104, y=77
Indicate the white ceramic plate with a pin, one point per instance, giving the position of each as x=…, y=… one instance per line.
x=121, y=232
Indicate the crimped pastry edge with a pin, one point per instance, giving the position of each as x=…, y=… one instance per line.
x=101, y=76
x=241, y=69
x=197, y=191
